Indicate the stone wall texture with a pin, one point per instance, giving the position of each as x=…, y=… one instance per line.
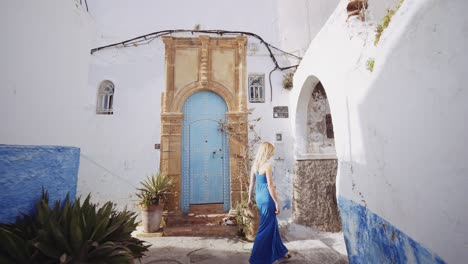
x=314, y=196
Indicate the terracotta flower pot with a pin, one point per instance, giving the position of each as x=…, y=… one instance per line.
x=151, y=218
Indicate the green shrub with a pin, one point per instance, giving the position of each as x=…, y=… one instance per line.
x=71, y=232
x=288, y=80
x=247, y=219
x=370, y=64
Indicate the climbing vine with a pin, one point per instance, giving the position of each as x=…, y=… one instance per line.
x=246, y=219
x=246, y=155
x=386, y=21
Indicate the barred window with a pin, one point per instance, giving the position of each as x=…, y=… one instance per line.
x=105, y=98
x=329, y=126
x=256, y=88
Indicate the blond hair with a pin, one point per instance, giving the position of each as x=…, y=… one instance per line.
x=265, y=151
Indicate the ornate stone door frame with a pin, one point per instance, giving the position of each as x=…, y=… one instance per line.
x=197, y=64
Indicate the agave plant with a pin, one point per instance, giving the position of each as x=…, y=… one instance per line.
x=71, y=232
x=154, y=190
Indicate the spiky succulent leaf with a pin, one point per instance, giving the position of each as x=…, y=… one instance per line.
x=71, y=233
x=154, y=189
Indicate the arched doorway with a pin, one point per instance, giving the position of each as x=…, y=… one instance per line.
x=199, y=67
x=315, y=203
x=205, y=152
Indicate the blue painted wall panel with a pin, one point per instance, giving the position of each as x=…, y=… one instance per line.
x=24, y=170
x=371, y=239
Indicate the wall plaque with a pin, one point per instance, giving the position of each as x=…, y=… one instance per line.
x=279, y=137
x=280, y=112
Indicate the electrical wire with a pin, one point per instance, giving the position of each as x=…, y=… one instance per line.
x=271, y=86
x=148, y=38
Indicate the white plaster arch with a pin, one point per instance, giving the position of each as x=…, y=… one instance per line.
x=299, y=120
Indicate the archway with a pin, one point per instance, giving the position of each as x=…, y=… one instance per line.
x=315, y=170
x=210, y=66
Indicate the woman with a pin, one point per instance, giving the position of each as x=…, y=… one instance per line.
x=268, y=246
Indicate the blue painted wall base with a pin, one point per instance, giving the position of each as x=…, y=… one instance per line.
x=371, y=239
x=24, y=170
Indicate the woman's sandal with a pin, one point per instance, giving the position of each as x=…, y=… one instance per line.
x=287, y=256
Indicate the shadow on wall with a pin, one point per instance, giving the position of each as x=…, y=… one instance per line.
x=412, y=123
x=25, y=170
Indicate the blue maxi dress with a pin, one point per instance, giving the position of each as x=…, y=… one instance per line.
x=268, y=246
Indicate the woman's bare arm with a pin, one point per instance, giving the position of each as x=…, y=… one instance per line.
x=251, y=185
x=271, y=186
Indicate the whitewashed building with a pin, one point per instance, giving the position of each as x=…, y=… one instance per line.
x=398, y=108
x=385, y=120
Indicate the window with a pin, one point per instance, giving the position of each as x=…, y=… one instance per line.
x=329, y=126
x=105, y=98
x=256, y=88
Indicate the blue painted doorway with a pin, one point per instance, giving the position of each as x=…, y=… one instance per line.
x=205, y=151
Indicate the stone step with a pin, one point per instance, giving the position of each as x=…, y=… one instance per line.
x=206, y=209
x=201, y=230
x=192, y=219
x=203, y=224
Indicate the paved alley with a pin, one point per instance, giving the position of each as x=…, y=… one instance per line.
x=319, y=248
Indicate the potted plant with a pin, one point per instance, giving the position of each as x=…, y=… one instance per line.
x=288, y=80
x=152, y=197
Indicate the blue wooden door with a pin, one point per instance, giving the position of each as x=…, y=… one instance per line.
x=205, y=151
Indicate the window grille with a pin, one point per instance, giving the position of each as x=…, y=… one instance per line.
x=105, y=98
x=329, y=126
x=257, y=88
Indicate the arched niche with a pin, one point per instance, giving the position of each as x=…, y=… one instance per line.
x=319, y=129
x=312, y=140
x=314, y=193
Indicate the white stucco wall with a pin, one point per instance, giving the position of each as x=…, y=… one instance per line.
x=43, y=72
x=300, y=20
x=389, y=124
x=121, y=151
x=50, y=82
